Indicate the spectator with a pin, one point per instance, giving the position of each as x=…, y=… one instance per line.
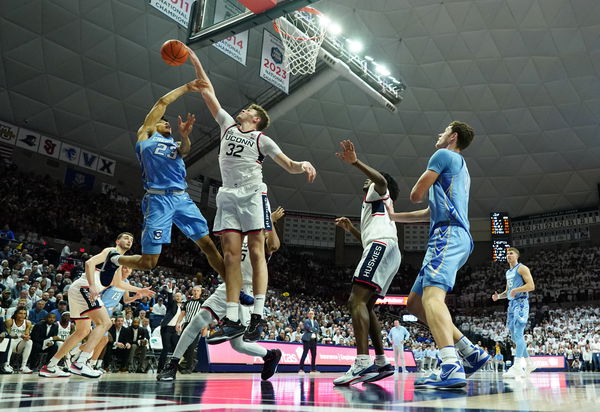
x=119, y=345
x=137, y=356
x=309, y=342
x=44, y=336
x=38, y=314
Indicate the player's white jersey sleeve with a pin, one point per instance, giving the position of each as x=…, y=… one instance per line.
x=268, y=147
x=375, y=222
x=224, y=120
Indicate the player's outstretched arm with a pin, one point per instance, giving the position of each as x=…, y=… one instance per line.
x=407, y=217
x=90, y=267
x=185, y=128
x=207, y=91
x=294, y=167
x=348, y=155
x=272, y=241
x=158, y=110
x=347, y=225
x=118, y=282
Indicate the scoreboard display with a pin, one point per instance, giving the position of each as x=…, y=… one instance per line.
x=500, y=223
x=499, y=247
x=501, y=232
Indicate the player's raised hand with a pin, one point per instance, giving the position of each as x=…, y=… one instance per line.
x=185, y=128
x=147, y=292
x=310, y=171
x=198, y=85
x=277, y=214
x=495, y=296
x=344, y=223
x=347, y=152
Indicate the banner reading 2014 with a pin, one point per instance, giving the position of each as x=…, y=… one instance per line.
x=271, y=63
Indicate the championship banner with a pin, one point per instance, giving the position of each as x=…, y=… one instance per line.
x=49, y=147
x=106, y=166
x=178, y=10
x=271, y=62
x=88, y=160
x=28, y=140
x=79, y=180
x=8, y=133
x=235, y=46
x=69, y=153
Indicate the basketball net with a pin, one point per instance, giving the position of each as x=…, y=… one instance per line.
x=302, y=34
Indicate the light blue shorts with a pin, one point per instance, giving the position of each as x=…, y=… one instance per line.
x=448, y=249
x=517, y=313
x=161, y=211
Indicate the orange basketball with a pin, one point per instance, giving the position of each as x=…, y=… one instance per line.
x=174, y=52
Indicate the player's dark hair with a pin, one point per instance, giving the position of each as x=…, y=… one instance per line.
x=392, y=186
x=465, y=134
x=17, y=310
x=124, y=234
x=265, y=120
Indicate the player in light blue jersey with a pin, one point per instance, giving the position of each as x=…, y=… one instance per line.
x=448, y=182
x=166, y=201
x=519, y=283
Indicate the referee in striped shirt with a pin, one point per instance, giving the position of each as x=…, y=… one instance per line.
x=192, y=306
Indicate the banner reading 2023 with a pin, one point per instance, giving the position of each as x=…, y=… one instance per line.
x=271, y=63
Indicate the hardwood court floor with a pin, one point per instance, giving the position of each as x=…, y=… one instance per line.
x=556, y=391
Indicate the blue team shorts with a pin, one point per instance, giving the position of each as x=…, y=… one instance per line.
x=448, y=249
x=161, y=211
x=517, y=313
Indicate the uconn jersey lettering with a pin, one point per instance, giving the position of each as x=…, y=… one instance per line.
x=241, y=153
x=162, y=166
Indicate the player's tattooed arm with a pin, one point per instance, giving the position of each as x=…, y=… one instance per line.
x=347, y=225
x=348, y=155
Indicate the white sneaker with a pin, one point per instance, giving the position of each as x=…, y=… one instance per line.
x=301, y=372
x=8, y=369
x=357, y=373
x=55, y=372
x=25, y=369
x=514, y=372
x=529, y=367
x=84, y=370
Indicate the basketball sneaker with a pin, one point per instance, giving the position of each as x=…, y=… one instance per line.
x=252, y=333
x=383, y=372
x=55, y=372
x=84, y=370
x=451, y=376
x=514, y=372
x=475, y=361
x=227, y=331
x=271, y=359
x=529, y=366
x=357, y=373
x=25, y=369
x=168, y=373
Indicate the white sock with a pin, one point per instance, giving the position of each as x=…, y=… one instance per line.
x=448, y=354
x=115, y=260
x=84, y=357
x=259, y=304
x=53, y=362
x=380, y=360
x=233, y=311
x=363, y=360
x=465, y=347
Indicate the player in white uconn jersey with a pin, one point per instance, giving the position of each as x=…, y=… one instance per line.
x=374, y=274
x=242, y=203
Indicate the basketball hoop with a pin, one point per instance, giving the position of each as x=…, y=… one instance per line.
x=302, y=33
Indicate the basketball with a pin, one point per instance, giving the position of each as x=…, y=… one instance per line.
x=174, y=52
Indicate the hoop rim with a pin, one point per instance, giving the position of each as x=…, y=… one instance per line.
x=306, y=9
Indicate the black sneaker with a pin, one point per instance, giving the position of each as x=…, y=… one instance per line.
x=168, y=373
x=108, y=269
x=246, y=299
x=227, y=331
x=254, y=330
x=271, y=359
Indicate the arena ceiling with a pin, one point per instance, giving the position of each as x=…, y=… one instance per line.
x=524, y=73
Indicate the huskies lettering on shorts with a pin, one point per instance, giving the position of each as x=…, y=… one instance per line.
x=372, y=261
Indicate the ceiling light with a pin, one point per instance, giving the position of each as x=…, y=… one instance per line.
x=355, y=46
x=334, y=29
x=369, y=58
x=384, y=71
